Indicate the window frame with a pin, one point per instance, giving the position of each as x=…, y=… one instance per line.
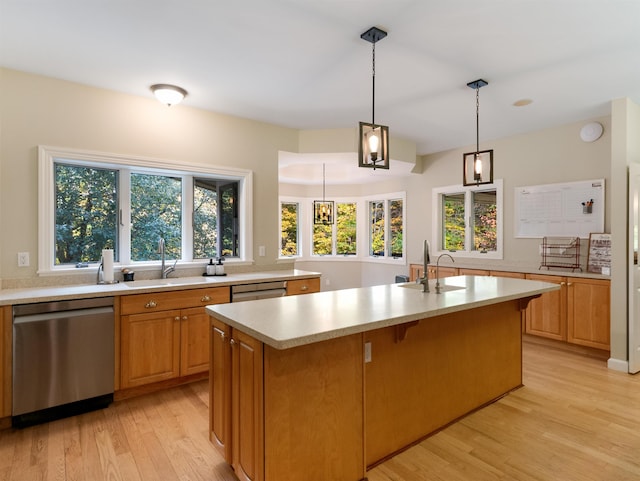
x=305, y=229
x=438, y=226
x=48, y=156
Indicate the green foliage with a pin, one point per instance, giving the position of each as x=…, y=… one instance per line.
x=289, y=229
x=205, y=222
x=485, y=234
x=156, y=211
x=396, y=227
x=454, y=224
x=85, y=213
x=346, y=229
x=376, y=233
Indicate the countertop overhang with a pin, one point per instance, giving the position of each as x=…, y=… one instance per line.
x=288, y=322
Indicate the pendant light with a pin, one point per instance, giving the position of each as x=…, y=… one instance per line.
x=323, y=209
x=373, y=139
x=477, y=166
x=168, y=94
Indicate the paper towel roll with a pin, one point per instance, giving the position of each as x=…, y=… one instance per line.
x=107, y=265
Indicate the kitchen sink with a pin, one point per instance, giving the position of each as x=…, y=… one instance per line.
x=170, y=281
x=432, y=287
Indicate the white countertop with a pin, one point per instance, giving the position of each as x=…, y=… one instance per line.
x=287, y=322
x=83, y=291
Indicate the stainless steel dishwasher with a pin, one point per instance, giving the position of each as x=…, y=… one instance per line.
x=259, y=290
x=63, y=359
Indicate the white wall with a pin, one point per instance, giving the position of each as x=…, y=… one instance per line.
x=36, y=110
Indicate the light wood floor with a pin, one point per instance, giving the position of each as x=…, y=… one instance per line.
x=574, y=420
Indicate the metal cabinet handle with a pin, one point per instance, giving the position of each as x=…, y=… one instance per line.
x=177, y=318
x=563, y=283
x=232, y=341
x=151, y=304
x=184, y=318
x=569, y=283
x=304, y=288
x=205, y=298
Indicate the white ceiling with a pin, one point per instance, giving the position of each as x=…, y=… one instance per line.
x=302, y=64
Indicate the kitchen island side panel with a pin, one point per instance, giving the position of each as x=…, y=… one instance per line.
x=444, y=368
x=314, y=417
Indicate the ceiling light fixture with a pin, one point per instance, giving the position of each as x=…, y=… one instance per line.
x=168, y=94
x=373, y=139
x=477, y=166
x=323, y=209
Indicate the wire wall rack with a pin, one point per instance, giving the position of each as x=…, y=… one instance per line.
x=562, y=252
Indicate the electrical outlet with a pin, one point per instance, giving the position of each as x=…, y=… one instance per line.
x=367, y=352
x=23, y=259
x=262, y=251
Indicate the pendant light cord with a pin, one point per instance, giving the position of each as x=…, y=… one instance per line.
x=373, y=81
x=477, y=119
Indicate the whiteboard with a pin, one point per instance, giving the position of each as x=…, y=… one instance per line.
x=558, y=210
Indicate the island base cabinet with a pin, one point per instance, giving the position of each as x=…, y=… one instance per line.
x=314, y=417
x=441, y=369
x=295, y=413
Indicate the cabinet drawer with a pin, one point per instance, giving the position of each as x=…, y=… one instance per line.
x=303, y=286
x=164, y=300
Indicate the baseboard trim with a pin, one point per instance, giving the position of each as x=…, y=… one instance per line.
x=618, y=365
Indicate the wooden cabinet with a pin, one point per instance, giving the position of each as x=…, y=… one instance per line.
x=588, y=312
x=236, y=400
x=303, y=286
x=165, y=335
x=463, y=271
x=546, y=316
x=416, y=270
x=512, y=275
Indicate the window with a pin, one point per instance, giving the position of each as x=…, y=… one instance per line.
x=386, y=238
x=353, y=226
x=289, y=212
x=103, y=201
x=469, y=220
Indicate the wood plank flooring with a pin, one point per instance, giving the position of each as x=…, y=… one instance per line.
x=573, y=420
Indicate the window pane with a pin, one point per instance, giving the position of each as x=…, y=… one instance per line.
x=346, y=229
x=454, y=227
x=322, y=237
x=229, y=220
x=205, y=219
x=156, y=211
x=485, y=221
x=85, y=213
x=376, y=234
x=289, y=229
x=395, y=227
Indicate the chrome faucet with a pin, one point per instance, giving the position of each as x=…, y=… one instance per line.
x=424, y=280
x=164, y=271
x=438, y=290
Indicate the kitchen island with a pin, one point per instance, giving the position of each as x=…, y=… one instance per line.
x=323, y=386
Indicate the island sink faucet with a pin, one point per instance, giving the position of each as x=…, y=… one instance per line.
x=438, y=289
x=164, y=271
x=424, y=280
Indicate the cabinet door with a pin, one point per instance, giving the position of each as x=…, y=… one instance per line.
x=247, y=407
x=546, y=315
x=463, y=271
x=6, y=334
x=442, y=271
x=415, y=272
x=150, y=349
x=588, y=315
x=512, y=275
x=303, y=286
x=194, y=341
x=220, y=389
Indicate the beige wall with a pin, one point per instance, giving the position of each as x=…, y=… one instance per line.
x=36, y=110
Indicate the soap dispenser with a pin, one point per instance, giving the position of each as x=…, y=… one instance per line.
x=211, y=268
x=220, y=267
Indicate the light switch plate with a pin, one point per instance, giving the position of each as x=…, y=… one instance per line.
x=367, y=352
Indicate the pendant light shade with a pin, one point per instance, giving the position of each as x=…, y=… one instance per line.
x=373, y=148
x=168, y=94
x=477, y=167
x=323, y=210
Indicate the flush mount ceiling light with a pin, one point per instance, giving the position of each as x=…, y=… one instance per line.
x=168, y=94
x=323, y=209
x=373, y=139
x=477, y=166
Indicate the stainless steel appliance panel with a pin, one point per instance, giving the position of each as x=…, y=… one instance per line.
x=261, y=290
x=63, y=352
